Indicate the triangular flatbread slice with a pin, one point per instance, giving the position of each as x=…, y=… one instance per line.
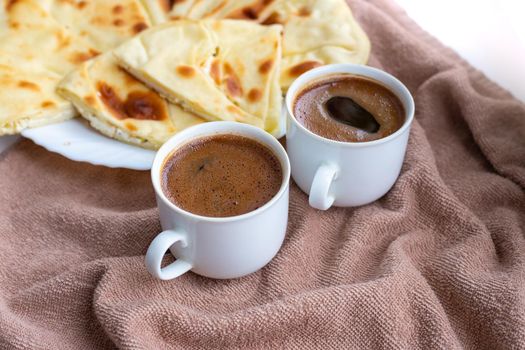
x=28, y=97
x=316, y=32
x=42, y=40
x=35, y=51
x=121, y=107
x=32, y=34
x=220, y=70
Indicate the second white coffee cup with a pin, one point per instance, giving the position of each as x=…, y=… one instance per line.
x=345, y=173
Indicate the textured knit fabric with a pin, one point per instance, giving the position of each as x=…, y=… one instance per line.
x=437, y=263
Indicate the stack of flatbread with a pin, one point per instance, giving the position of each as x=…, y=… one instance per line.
x=316, y=32
x=41, y=40
x=201, y=61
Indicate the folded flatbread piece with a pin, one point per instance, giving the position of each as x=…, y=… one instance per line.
x=29, y=32
x=42, y=40
x=316, y=32
x=218, y=69
x=158, y=9
x=121, y=107
x=28, y=97
x=35, y=51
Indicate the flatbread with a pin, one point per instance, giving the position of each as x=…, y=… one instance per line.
x=103, y=23
x=42, y=40
x=316, y=32
x=121, y=107
x=158, y=9
x=32, y=34
x=218, y=69
x=28, y=97
x=35, y=52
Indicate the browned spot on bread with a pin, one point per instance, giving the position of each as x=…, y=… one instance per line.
x=304, y=11
x=251, y=12
x=145, y=105
x=139, y=27
x=142, y=105
x=111, y=100
x=117, y=9
x=81, y=5
x=305, y=66
x=228, y=68
x=130, y=127
x=185, y=71
x=62, y=40
x=9, y=4
x=14, y=25
x=215, y=71
x=254, y=95
x=167, y=5
x=28, y=85
x=233, y=83
x=266, y=66
x=90, y=100
x=47, y=104
x=94, y=53
x=233, y=86
x=273, y=18
x=79, y=57
x=118, y=22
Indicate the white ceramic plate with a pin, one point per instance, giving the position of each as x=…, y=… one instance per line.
x=76, y=140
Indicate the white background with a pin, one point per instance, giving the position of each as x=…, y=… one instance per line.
x=490, y=34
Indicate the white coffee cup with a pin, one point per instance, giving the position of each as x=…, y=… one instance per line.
x=345, y=174
x=218, y=247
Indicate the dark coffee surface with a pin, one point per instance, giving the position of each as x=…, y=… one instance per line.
x=221, y=175
x=310, y=108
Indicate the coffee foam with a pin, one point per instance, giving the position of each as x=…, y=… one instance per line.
x=222, y=175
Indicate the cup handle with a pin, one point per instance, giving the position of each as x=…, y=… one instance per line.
x=320, y=198
x=156, y=250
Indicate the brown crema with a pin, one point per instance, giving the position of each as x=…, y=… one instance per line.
x=221, y=175
x=310, y=110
